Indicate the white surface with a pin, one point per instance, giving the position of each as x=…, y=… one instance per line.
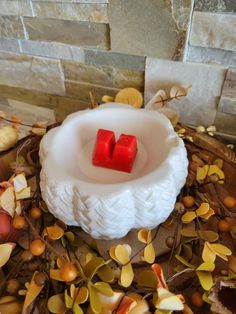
x=104, y=202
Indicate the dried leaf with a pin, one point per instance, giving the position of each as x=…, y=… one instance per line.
x=19, y=182
x=25, y=193
x=95, y=302
x=5, y=252
x=106, y=274
x=188, y=217
x=188, y=232
x=158, y=101
x=208, y=235
x=147, y=278
x=203, y=209
x=55, y=274
x=127, y=275
x=32, y=292
x=53, y=232
x=10, y=305
x=161, y=283
x=130, y=96
x=56, y=304
x=93, y=265
x=7, y=201
x=205, y=279
x=177, y=92
x=183, y=261
x=149, y=254
x=122, y=253
x=104, y=288
x=187, y=252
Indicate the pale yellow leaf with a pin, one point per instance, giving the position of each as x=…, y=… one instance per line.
x=172, y=303
x=205, y=279
x=220, y=249
x=7, y=201
x=112, y=253
x=5, y=252
x=122, y=254
x=95, y=302
x=188, y=217
x=149, y=253
x=18, y=209
x=19, y=182
x=107, y=98
x=32, y=292
x=25, y=193
x=178, y=92
x=127, y=275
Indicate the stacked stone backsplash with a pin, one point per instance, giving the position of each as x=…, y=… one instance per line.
x=54, y=52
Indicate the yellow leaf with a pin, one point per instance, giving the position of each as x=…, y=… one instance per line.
x=149, y=253
x=167, y=301
x=95, y=302
x=53, y=232
x=107, y=98
x=112, y=253
x=68, y=300
x=147, y=278
x=122, y=253
x=93, y=265
x=203, y=209
x=143, y=235
x=140, y=308
x=214, y=169
x=10, y=305
x=32, y=292
x=205, y=279
x=56, y=304
x=127, y=275
x=202, y=172
x=104, y=288
x=220, y=249
x=7, y=201
x=105, y=273
x=70, y=236
x=5, y=252
x=206, y=266
x=207, y=254
x=25, y=193
x=218, y=162
x=210, y=213
x=55, y=274
x=188, y=217
x=188, y=232
x=130, y=96
x=208, y=235
x=19, y=182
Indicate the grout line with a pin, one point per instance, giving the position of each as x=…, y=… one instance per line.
x=32, y=8
x=188, y=33
x=24, y=28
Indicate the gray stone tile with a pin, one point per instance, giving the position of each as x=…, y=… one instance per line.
x=16, y=7
x=9, y=45
x=213, y=30
x=81, y=91
x=72, y=11
x=225, y=123
x=93, y=35
x=200, y=105
x=117, y=60
x=46, y=49
x=33, y=73
x=103, y=75
x=11, y=27
x=148, y=28
x=228, y=98
x=211, y=55
x=215, y=5
x=75, y=1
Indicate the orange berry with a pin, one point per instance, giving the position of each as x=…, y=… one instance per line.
x=37, y=247
x=196, y=299
x=19, y=222
x=223, y=225
x=35, y=212
x=188, y=201
x=229, y=202
x=68, y=271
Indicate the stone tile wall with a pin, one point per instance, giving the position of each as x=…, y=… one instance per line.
x=54, y=52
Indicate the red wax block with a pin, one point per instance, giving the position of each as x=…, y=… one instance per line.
x=118, y=155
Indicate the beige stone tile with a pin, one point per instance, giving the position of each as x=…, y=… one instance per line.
x=200, y=105
x=93, y=35
x=214, y=30
x=11, y=27
x=81, y=91
x=72, y=11
x=225, y=123
x=7, y=44
x=16, y=7
x=228, y=98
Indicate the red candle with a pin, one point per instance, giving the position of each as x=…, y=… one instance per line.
x=118, y=155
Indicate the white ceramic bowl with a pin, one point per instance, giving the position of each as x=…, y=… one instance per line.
x=104, y=202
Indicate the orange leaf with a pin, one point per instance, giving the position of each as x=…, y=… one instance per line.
x=32, y=293
x=161, y=283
